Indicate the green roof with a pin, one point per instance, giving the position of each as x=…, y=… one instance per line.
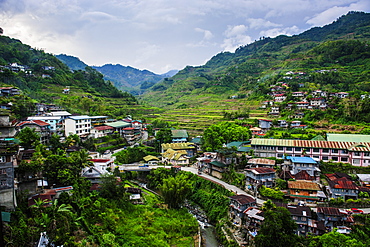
x=196, y=140
x=318, y=138
x=348, y=137
x=217, y=163
x=179, y=134
x=119, y=124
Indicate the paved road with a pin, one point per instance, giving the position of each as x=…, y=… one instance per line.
x=224, y=184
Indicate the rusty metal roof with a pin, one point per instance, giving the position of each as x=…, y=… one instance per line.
x=303, y=185
x=329, y=211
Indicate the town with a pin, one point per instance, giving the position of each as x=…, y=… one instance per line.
x=289, y=166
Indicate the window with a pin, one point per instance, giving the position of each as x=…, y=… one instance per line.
x=344, y=151
x=315, y=150
x=334, y=158
x=343, y=159
x=356, y=161
x=289, y=149
x=298, y=149
x=334, y=151
x=325, y=150
x=280, y=148
x=325, y=158
x=366, y=154
x=356, y=153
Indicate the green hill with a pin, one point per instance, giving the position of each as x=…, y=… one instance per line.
x=42, y=77
x=244, y=77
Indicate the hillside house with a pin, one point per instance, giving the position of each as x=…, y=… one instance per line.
x=279, y=97
x=119, y=126
x=56, y=123
x=302, y=216
x=260, y=176
x=175, y=157
x=100, y=131
x=256, y=131
x=151, y=160
x=341, y=185
x=100, y=167
x=238, y=204
x=40, y=127
x=303, y=191
x=259, y=162
x=253, y=219
x=216, y=169
x=298, y=164
x=342, y=95
x=282, y=123
x=179, y=136
x=333, y=217
x=298, y=94
x=9, y=91
x=264, y=124
x=274, y=111
x=303, y=105
x=364, y=180
x=189, y=147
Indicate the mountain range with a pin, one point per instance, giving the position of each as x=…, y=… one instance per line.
x=124, y=78
x=252, y=67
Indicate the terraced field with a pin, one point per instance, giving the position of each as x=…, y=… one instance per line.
x=196, y=119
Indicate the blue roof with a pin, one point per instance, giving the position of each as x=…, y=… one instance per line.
x=307, y=160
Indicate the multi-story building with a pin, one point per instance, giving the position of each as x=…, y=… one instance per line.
x=40, y=127
x=54, y=121
x=357, y=154
x=260, y=176
x=298, y=164
x=78, y=125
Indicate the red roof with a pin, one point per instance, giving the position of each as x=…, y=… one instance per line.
x=100, y=128
x=343, y=183
x=37, y=122
x=99, y=160
x=129, y=128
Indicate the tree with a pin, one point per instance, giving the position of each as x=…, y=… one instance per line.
x=28, y=137
x=222, y=133
x=175, y=190
x=277, y=229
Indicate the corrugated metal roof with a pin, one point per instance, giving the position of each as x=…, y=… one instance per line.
x=303, y=185
x=177, y=146
x=353, y=146
x=348, y=137
x=260, y=161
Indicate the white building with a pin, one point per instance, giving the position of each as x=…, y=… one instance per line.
x=77, y=125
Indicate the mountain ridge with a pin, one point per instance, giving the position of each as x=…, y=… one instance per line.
x=125, y=78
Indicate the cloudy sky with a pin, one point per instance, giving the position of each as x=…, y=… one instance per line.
x=160, y=35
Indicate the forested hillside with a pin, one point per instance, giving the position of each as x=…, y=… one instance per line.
x=253, y=65
x=43, y=77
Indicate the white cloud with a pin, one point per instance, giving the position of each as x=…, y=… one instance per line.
x=329, y=15
x=160, y=34
x=207, y=35
x=272, y=33
x=235, y=36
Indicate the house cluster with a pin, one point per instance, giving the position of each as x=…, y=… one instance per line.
x=304, y=191
x=247, y=219
x=17, y=68
x=298, y=101
x=64, y=124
